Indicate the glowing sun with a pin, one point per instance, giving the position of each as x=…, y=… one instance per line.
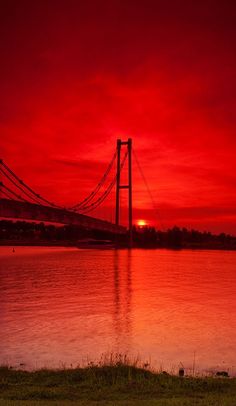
x=141, y=223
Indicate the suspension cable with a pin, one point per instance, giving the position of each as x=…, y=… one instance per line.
x=12, y=192
x=86, y=205
x=19, y=187
x=156, y=210
x=101, y=199
x=3, y=192
x=38, y=196
x=90, y=197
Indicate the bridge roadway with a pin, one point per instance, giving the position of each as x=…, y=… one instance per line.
x=15, y=209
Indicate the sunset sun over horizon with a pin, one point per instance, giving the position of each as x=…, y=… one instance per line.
x=142, y=223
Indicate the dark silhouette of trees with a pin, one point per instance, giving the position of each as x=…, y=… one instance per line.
x=177, y=238
x=23, y=232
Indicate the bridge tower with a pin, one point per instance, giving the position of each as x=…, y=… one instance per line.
x=128, y=144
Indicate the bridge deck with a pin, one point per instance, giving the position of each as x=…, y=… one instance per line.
x=29, y=211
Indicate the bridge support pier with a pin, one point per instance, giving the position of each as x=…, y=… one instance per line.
x=127, y=143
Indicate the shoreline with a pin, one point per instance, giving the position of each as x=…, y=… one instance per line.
x=67, y=244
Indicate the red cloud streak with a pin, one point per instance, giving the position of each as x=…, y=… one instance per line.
x=75, y=76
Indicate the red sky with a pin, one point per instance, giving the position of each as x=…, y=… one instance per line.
x=76, y=75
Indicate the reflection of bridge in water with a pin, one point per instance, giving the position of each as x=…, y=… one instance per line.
x=19, y=201
x=122, y=316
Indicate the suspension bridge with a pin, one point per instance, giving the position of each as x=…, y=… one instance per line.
x=19, y=201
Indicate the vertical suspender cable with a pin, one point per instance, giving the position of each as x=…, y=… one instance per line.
x=156, y=211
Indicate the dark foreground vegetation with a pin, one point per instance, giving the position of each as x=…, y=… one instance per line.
x=25, y=233
x=112, y=385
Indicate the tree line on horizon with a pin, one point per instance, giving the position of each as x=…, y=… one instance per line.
x=175, y=237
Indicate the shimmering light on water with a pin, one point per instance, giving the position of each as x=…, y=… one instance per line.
x=66, y=306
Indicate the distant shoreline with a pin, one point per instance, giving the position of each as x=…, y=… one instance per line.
x=22, y=233
x=78, y=244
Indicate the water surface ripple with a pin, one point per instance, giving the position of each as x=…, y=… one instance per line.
x=66, y=306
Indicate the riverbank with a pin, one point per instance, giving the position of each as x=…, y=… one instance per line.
x=25, y=233
x=112, y=385
x=100, y=245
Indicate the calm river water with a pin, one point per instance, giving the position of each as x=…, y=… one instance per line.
x=68, y=306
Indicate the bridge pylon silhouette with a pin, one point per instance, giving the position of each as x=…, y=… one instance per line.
x=128, y=186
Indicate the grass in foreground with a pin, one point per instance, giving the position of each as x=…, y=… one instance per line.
x=112, y=385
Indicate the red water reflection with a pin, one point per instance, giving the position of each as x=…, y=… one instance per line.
x=62, y=306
